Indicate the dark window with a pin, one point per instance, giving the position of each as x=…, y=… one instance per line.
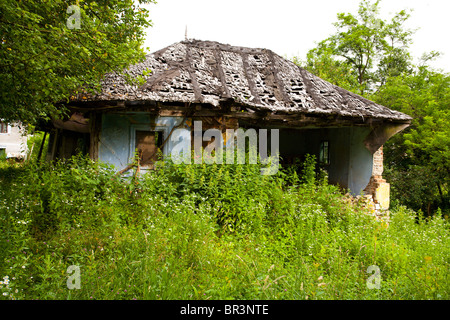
x=324, y=156
x=147, y=144
x=3, y=127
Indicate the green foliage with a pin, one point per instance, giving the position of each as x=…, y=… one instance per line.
x=35, y=146
x=425, y=95
x=44, y=62
x=364, y=51
x=207, y=232
x=419, y=159
x=322, y=62
x=370, y=56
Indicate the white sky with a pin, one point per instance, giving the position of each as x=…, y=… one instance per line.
x=288, y=27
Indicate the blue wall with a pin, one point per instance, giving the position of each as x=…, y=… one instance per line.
x=350, y=161
x=361, y=161
x=117, y=136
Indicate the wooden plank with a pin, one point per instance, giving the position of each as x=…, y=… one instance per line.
x=171, y=113
x=54, y=146
x=95, y=123
x=147, y=147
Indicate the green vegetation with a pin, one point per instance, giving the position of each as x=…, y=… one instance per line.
x=37, y=148
x=217, y=231
x=207, y=232
x=370, y=56
x=418, y=161
x=52, y=49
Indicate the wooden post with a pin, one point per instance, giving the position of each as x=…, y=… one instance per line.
x=95, y=128
x=41, y=147
x=55, y=142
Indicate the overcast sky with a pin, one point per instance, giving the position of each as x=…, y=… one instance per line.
x=288, y=27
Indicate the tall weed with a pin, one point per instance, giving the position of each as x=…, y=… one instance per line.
x=207, y=232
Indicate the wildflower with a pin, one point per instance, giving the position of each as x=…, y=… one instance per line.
x=5, y=293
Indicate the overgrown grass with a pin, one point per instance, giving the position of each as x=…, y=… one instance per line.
x=207, y=232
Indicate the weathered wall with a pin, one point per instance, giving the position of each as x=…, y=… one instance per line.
x=117, y=135
x=378, y=167
x=350, y=165
x=361, y=161
x=338, y=170
x=377, y=187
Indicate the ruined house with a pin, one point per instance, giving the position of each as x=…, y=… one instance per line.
x=229, y=87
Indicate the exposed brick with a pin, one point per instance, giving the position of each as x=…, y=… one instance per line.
x=376, y=180
x=377, y=168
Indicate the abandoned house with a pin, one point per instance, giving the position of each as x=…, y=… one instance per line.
x=231, y=87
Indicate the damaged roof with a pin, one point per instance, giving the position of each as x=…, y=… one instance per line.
x=195, y=71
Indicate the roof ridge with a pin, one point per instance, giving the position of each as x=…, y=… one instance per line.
x=209, y=44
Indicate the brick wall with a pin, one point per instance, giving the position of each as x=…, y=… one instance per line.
x=377, y=187
x=377, y=169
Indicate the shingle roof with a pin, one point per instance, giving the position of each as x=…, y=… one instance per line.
x=210, y=72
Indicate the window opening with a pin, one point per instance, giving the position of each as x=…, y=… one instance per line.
x=324, y=156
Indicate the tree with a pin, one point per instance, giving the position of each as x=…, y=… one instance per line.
x=418, y=161
x=323, y=64
x=51, y=49
x=364, y=51
x=369, y=56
